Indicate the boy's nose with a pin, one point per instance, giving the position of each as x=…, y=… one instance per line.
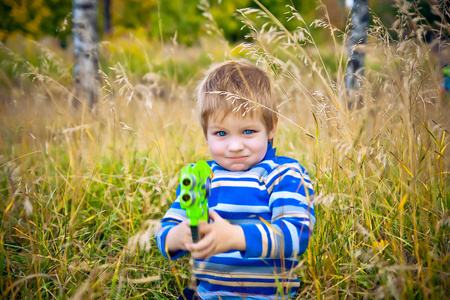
x=235, y=145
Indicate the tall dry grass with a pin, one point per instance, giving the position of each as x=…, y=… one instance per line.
x=82, y=188
x=381, y=170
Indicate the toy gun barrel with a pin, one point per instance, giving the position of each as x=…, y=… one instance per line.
x=195, y=185
x=187, y=194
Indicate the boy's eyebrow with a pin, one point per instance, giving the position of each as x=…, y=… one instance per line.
x=215, y=126
x=243, y=125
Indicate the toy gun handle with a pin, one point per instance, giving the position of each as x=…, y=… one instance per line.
x=194, y=233
x=195, y=185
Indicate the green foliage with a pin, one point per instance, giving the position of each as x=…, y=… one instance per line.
x=162, y=20
x=159, y=19
x=34, y=18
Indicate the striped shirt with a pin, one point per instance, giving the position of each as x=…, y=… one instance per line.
x=272, y=202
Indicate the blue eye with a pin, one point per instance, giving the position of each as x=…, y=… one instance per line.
x=248, y=131
x=221, y=133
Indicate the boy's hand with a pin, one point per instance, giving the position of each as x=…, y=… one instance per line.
x=179, y=236
x=217, y=237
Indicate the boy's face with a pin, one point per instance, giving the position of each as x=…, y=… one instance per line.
x=237, y=143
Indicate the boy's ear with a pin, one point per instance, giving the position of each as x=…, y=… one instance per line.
x=271, y=134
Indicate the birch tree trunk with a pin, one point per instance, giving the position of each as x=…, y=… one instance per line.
x=107, y=27
x=357, y=37
x=85, y=39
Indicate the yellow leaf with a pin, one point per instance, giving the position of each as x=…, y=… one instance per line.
x=8, y=207
x=407, y=170
x=441, y=152
x=90, y=218
x=89, y=134
x=380, y=244
x=402, y=203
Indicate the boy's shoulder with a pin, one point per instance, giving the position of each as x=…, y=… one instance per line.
x=277, y=162
x=282, y=162
x=267, y=168
x=269, y=164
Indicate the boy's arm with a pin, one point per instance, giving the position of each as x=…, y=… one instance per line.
x=293, y=218
x=217, y=237
x=178, y=236
x=174, y=219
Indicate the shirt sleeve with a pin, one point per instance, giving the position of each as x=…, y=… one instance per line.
x=174, y=216
x=287, y=233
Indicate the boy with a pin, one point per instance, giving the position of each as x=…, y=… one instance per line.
x=260, y=204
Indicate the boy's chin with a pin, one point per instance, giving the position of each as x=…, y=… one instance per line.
x=236, y=167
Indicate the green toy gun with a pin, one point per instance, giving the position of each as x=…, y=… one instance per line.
x=195, y=183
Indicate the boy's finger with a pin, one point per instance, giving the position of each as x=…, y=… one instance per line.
x=204, y=228
x=202, y=223
x=213, y=215
x=203, y=244
x=188, y=247
x=201, y=252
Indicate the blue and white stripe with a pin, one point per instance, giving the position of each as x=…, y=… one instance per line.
x=272, y=202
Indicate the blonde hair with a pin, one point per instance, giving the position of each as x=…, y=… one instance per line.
x=236, y=86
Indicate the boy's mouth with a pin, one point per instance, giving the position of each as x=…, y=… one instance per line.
x=238, y=158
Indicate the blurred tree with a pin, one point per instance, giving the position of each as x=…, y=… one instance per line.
x=357, y=37
x=85, y=40
x=107, y=26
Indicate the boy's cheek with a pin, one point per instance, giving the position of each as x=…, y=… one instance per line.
x=213, y=144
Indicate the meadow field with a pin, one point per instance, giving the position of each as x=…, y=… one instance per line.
x=82, y=190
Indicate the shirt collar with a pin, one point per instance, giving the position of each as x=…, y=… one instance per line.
x=270, y=153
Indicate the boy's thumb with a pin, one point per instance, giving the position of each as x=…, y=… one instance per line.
x=213, y=215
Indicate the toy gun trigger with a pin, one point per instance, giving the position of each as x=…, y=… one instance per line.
x=207, y=187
